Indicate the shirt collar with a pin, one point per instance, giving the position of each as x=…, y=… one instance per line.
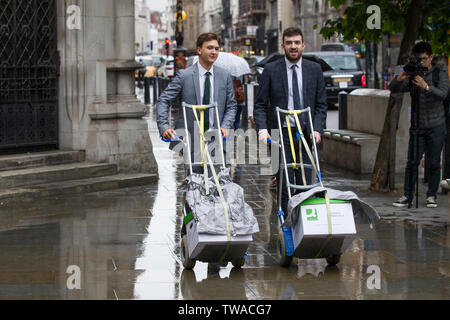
x=290, y=64
x=202, y=70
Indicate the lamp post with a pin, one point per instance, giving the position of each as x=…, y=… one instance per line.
x=179, y=52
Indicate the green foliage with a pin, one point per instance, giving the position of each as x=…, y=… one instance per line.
x=394, y=14
x=436, y=28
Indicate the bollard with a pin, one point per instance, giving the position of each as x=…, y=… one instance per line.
x=157, y=87
x=255, y=94
x=147, y=90
x=155, y=91
x=342, y=98
x=244, y=113
x=151, y=91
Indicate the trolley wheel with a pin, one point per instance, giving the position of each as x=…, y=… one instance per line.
x=283, y=258
x=188, y=264
x=238, y=263
x=333, y=260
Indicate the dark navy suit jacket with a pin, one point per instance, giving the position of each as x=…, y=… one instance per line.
x=274, y=92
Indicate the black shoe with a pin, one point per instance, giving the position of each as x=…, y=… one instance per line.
x=403, y=201
x=431, y=202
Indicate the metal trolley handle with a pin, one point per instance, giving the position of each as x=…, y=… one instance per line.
x=214, y=105
x=286, y=165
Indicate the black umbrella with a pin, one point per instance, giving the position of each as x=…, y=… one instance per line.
x=270, y=58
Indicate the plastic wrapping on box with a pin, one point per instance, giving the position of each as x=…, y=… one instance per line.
x=208, y=209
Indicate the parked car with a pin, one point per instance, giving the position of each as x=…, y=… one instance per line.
x=339, y=46
x=336, y=46
x=158, y=59
x=167, y=68
x=344, y=72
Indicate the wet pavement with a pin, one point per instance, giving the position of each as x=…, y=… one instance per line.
x=126, y=245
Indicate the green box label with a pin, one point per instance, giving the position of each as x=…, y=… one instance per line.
x=310, y=216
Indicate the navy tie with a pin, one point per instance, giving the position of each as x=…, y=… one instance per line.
x=295, y=91
x=206, y=99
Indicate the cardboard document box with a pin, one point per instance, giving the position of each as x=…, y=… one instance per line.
x=211, y=247
x=311, y=233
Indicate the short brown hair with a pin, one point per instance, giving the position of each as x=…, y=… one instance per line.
x=208, y=36
x=292, y=32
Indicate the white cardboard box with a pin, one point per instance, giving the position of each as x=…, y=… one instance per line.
x=310, y=234
x=211, y=247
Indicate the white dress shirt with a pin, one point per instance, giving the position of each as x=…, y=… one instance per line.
x=298, y=71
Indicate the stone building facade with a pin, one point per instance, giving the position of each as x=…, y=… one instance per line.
x=68, y=82
x=99, y=111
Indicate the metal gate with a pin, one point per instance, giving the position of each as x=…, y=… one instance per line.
x=29, y=65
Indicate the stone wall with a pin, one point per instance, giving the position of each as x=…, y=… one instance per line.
x=355, y=148
x=97, y=90
x=366, y=110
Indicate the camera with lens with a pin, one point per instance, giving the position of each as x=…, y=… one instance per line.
x=414, y=67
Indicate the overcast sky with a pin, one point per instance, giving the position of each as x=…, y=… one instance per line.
x=158, y=5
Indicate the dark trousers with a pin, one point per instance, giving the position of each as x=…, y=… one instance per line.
x=430, y=140
x=295, y=176
x=237, y=120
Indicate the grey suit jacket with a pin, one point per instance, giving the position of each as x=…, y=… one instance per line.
x=187, y=83
x=273, y=92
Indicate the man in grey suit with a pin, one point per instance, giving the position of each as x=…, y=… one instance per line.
x=291, y=83
x=201, y=84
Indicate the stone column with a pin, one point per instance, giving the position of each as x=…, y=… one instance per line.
x=117, y=131
x=72, y=81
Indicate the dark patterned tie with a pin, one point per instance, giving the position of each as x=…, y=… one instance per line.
x=295, y=91
x=206, y=99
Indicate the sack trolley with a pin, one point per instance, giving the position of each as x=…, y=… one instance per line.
x=224, y=248
x=285, y=244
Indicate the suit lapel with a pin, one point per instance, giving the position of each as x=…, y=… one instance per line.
x=285, y=80
x=216, y=85
x=304, y=82
x=196, y=82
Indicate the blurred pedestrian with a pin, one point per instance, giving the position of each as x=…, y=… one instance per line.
x=239, y=94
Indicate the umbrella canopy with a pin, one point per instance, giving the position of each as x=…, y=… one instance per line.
x=270, y=58
x=237, y=66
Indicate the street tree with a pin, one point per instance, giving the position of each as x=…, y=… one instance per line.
x=415, y=19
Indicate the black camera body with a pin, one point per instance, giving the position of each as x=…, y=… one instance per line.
x=414, y=67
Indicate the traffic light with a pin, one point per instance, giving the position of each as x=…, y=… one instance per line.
x=167, y=42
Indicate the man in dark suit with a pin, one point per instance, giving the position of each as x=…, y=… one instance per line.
x=291, y=83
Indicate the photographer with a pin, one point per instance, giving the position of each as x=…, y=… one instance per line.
x=431, y=122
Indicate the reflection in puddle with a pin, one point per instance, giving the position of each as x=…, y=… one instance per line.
x=159, y=259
